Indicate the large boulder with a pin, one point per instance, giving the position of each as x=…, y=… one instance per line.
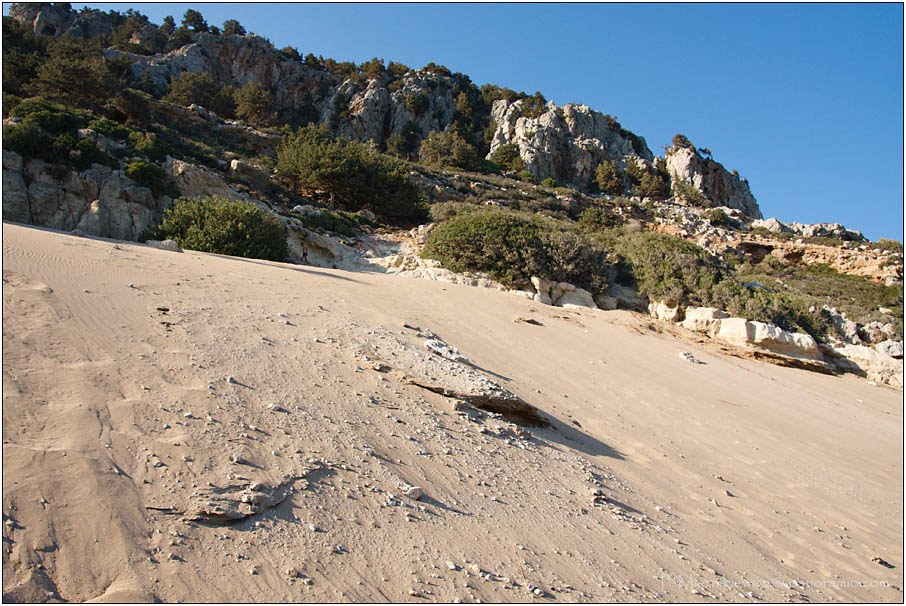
x=774, y=338
x=561, y=294
x=711, y=179
x=664, y=310
x=869, y=363
x=578, y=297
x=618, y=296
x=702, y=319
x=743, y=333
x=564, y=143
x=195, y=181
x=891, y=348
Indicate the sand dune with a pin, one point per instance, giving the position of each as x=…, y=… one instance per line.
x=185, y=426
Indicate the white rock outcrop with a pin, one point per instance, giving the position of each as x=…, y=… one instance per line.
x=561, y=294
x=810, y=230
x=663, y=310
x=890, y=348
x=743, y=333
x=868, y=362
x=703, y=319
x=712, y=180
x=564, y=143
x=195, y=181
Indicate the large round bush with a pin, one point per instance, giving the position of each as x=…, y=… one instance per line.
x=227, y=227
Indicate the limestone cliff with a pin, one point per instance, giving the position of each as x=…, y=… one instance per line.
x=564, y=143
x=721, y=188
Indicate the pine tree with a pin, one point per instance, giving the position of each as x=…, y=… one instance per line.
x=75, y=73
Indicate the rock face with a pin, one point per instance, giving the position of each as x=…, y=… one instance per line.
x=743, y=333
x=194, y=181
x=52, y=20
x=420, y=102
x=849, y=258
x=869, y=363
x=99, y=201
x=810, y=230
x=564, y=143
x=238, y=60
x=702, y=319
x=712, y=180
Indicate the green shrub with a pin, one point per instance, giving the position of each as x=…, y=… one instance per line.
x=441, y=211
x=717, y=218
x=349, y=175
x=85, y=153
x=597, y=219
x=513, y=246
x=336, y=221
x=151, y=176
x=48, y=116
x=549, y=182
x=680, y=140
x=526, y=176
x=254, y=104
x=609, y=178
x=74, y=73
x=223, y=226
x=26, y=139
x=448, y=148
x=686, y=193
x=150, y=146
x=109, y=128
x=202, y=89
x=507, y=158
x=417, y=104
x=488, y=167
x=669, y=268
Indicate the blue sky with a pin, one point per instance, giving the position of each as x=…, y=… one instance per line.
x=805, y=100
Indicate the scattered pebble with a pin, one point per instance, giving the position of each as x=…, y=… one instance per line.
x=413, y=492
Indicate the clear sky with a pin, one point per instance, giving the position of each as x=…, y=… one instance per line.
x=805, y=100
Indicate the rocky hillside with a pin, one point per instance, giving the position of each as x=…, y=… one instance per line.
x=391, y=106
x=160, y=113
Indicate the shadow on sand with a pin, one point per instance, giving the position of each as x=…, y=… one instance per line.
x=567, y=435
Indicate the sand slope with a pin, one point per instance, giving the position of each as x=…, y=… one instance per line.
x=124, y=444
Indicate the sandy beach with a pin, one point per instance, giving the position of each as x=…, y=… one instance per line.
x=193, y=427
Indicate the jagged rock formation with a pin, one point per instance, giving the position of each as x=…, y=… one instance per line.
x=810, y=230
x=52, y=20
x=854, y=259
x=711, y=179
x=564, y=143
x=99, y=201
x=237, y=60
